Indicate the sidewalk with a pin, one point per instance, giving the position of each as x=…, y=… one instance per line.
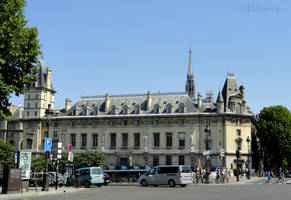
x=32, y=192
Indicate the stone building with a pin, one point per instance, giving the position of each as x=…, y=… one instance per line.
x=144, y=129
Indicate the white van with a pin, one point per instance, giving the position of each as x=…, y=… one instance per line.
x=171, y=175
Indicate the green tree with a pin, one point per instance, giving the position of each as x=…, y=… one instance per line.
x=7, y=153
x=38, y=164
x=19, y=49
x=89, y=159
x=274, y=132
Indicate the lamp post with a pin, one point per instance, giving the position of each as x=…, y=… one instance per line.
x=248, y=161
x=237, y=153
x=207, y=134
x=48, y=113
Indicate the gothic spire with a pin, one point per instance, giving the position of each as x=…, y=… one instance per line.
x=190, y=87
x=190, y=63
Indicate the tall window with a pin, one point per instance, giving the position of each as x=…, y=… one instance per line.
x=83, y=140
x=237, y=108
x=181, y=160
x=29, y=143
x=238, y=132
x=55, y=134
x=168, y=160
x=73, y=139
x=124, y=139
x=181, y=121
x=169, y=138
x=156, y=161
x=156, y=139
x=181, y=140
x=46, y=135
x=35, y=113
x=136, y=140
x=95, y=140
x=112, y=140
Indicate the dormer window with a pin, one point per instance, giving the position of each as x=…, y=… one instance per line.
x=96, y=110
x=114, y=110
x=181, y=108
x=137, y=109
x=237, y=108
x=125, y=109
x=169, y=108
x=157, y=109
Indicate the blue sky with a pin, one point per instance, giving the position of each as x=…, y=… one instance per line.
x=132, y=46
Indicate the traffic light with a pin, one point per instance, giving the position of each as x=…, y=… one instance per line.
x=237, y=153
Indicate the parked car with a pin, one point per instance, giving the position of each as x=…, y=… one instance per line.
x=106, y=178
x=171, y=175
x=36, y=179
x=88, y=176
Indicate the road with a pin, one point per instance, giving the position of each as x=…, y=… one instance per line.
x=199, y=192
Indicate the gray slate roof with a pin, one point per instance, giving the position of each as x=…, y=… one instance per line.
x=163, y=101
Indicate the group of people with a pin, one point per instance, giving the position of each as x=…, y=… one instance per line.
x=220, y=175
x=271, y=175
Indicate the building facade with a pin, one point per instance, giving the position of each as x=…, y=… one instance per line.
x=144, y=129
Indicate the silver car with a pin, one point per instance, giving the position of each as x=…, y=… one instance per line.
x=171, y=175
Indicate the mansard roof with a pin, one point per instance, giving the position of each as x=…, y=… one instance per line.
x=119, y=101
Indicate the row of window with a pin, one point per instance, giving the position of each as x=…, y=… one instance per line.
x=124, y=139
x=156, y=160
x=85, y=110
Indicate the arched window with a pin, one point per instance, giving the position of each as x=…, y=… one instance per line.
x=169, y=108
x=114, y=110
x=137, y=109
x=181, y=108
x=157, y=109
x=29, y=143
x=12, y=142
x=125, y=109
x=237, y=108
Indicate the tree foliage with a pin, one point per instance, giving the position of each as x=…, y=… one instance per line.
x=89, y=159
x=38, y=164
x=7, y=153
x=86, y=159
x=274, y=132
x=19, y=49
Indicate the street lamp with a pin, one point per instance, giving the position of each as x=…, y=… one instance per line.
x=248, y=161
x=237, y=153
x=207, y=134
x=48, y=113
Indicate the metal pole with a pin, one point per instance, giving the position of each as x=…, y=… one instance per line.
x=57, y=171
x=45, y=176
x=237, y=172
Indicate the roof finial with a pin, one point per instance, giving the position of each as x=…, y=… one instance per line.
x=190, y=63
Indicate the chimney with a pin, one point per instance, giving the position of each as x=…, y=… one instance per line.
x=107, y=102
x=242, y=91
x=68, y=104
x=149, y=100
x=48, y=77
x=199, y=99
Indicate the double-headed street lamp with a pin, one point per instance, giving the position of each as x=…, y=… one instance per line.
x=207, y=134
x=237, y=154
x=248, y=161
x=48, y=113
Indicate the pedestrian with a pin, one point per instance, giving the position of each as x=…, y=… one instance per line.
x=77, y=180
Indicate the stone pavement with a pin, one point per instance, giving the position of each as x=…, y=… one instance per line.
x=32, y=192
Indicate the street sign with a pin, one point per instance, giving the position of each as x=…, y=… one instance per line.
x=70, y=148
x=71, y=156
x=48, y=144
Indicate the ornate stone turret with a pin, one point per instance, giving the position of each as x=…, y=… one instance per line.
x=107, y=102
x=190, y=87
x=220, y=103
x=149, y=100
x=199, y=99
